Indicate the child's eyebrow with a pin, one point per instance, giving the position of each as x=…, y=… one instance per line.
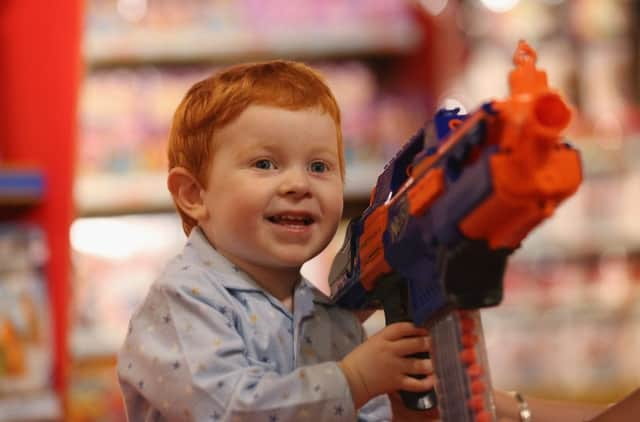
x=325, y=150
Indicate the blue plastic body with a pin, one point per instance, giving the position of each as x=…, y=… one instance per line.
x=412, y=251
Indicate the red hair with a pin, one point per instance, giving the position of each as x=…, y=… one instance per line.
x=216, y=101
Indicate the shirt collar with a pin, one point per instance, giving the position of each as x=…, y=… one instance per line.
x=199, y=248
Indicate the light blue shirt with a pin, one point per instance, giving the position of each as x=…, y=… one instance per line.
x=208, y=344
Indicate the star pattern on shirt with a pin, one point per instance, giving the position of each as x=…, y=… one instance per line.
x=339, y=410
x=176, y=365
x=166, y=318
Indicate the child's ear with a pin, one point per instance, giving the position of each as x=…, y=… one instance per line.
x=185, y=190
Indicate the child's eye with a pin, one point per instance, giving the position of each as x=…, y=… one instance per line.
x=264, y=164
x=318, y=167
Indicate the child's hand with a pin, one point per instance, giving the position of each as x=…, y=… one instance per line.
x=381, y=364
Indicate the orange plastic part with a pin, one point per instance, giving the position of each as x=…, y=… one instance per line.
x=532, y=172
x=478, y=387
x=425, y=191
x=467, y=325
x=420, y=195
x=468, y=356
x=372, y=261
x=476, y=403
x=469, y=340
x=484, y=416
x=475, y=371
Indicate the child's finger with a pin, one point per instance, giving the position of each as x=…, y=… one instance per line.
x=416, y=366
x=411, y=345
x=399, y=330
x=417, y=384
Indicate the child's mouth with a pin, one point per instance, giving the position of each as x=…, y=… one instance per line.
x=290, y=220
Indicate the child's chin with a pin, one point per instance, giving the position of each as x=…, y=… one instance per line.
x=295, y=260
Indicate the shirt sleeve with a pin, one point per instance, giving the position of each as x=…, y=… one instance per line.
x=377, y=409
x=183, y=358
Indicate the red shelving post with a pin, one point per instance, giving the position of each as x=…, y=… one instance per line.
x=40, y=70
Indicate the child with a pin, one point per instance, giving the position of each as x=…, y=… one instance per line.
x=230, y=330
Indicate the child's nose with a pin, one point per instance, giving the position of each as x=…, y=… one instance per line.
x=295, y=183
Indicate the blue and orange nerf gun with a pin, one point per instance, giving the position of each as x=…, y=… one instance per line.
x=445, y=215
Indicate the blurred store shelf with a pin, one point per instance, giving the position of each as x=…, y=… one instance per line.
x=201, y=45
x=20, y=186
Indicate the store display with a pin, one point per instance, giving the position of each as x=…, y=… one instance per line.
x=26, y=361
x=138, y=31
x=567, y=329
x=112, y=276
x=20, y=185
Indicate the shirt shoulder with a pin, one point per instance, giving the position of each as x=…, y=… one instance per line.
x=184, y=274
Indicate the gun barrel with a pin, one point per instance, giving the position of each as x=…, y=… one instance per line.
x=550, y=115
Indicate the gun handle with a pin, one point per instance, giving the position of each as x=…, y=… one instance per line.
x=393, y=293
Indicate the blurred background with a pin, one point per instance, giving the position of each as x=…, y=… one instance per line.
x=87, y=91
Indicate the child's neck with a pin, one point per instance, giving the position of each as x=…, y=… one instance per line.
x=280, y=287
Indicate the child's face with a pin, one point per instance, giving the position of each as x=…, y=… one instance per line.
x=274, y=196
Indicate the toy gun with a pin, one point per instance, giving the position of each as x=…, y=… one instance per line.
x=444, y=216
